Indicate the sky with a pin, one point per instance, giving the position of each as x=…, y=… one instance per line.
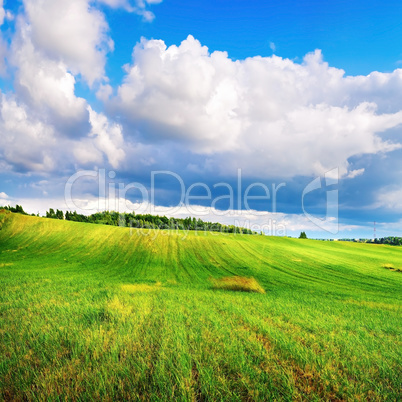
x=282, y=115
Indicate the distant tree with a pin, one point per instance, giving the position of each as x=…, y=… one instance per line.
x=17, y=209
x=303, y=235
x=51, y=214
x=59, y=214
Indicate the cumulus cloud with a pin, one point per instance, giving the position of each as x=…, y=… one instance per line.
x=45, y=127
x=105, y=138
x=25, y=139
x=270, y=115
x=71, y=32
x=31, y=145
x=47, y=86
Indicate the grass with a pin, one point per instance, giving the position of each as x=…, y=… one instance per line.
x=237, y=283
x=391, y=268
x=97, y=312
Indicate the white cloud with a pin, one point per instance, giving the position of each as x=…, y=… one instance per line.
x=390, y=199
x=105, y=138
x=26, y=141
x=2, y=12
x=104, y=92
x=46, y=84
x=271, y=116
x=116, y=3
x=72, y=32
x=4, y=201
x=137, y=6
x=45, y=126
x=354, y=173
x=389, y=228
x=3, y=55
x=29, y=144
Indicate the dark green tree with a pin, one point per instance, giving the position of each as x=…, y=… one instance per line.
x=51, y=214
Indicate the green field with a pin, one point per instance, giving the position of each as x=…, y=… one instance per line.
x=91, y=311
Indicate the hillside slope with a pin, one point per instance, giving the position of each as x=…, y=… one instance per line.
x=97, y=311
x=121, y=254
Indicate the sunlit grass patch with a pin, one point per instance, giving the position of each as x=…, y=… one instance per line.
x=391, y=267
x=374, y=305
x=140, y=287
x=3, y=213
x=237, y=283
x=116, y=306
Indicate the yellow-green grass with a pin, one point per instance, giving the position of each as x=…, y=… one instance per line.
x=237, y=283
x=91, y=312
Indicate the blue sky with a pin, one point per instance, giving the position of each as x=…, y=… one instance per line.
x=284, y=91
x=357, y=36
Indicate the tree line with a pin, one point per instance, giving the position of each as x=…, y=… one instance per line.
x=391, y=240
x=148, y=221
x=143, y=221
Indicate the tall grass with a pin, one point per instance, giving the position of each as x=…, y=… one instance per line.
x=237, y=283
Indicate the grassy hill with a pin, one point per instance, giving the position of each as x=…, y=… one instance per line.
x=91, y=311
